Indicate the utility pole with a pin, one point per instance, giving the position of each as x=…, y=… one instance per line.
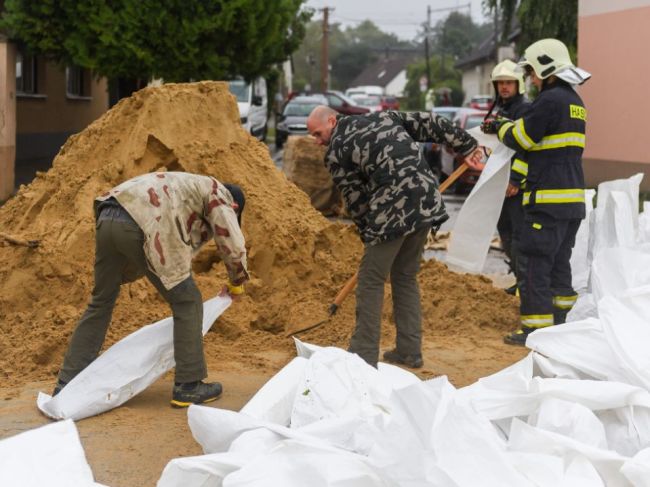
x=426, y=46
x=325, y=60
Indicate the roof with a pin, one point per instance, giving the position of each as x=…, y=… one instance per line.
x=383, y=71
x=484, y=52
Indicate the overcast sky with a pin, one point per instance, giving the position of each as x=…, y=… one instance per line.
x=400, y=17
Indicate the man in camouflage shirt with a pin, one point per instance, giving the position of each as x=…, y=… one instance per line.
x=392, y=196
x=151, y=226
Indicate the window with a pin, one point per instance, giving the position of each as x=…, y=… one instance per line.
x=77, y=82
x=26, y=74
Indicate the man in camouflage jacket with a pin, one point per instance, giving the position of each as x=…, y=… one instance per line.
x=392, y=196
x=151, y=226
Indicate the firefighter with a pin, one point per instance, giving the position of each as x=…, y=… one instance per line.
x=510, y=103
x=552, y=134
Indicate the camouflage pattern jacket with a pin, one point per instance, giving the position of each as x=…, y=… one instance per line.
x=377, y=165
x=178, y=213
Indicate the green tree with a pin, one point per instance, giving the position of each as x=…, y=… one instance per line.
x=555, y=18
x=445, y=77
x=177, y=40
x=457, y=35
x=350, y=51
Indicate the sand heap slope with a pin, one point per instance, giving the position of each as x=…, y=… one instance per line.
x=298, y=258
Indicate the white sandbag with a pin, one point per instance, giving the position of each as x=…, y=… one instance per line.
x=526, y=438
x=50, y=456
x=612, y=216
x=201, y=471
x=541, y=470
x=584, y=307
x=293, y=463
x=616, y=270
x=476, y=222
x=626, y=325
x=338, y=384
x=581, y=345
x=124, y=370
x=644, y=224
x=570, y=419
x=637, y=469
x=444, y=438
x=580, y=259
x=274, y=401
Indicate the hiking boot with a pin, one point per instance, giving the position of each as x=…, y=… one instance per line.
x=512, y=290
x=199, y=392
x=57, y=388
x=412, y=361
x=518, y=337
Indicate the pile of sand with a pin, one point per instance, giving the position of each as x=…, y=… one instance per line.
x=302, y=163
x=298, y=259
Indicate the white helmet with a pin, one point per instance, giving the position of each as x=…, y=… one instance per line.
x=508, y=71
x=547, y=57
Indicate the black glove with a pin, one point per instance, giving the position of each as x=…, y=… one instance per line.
x=491, y=126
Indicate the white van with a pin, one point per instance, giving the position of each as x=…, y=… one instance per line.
x=365, y=90
x=252, y=100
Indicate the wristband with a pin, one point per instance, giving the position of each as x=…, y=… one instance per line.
x=236, y=290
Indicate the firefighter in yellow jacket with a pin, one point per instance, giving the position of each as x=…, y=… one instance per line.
x=552, y=134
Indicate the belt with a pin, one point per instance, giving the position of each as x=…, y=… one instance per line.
x=112, y=210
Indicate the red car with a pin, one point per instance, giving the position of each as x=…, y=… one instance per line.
x=389, y=103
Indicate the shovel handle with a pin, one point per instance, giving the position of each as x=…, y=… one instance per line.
x=343, y=293
x=453, y=177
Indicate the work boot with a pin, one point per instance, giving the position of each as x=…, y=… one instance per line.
x=512, y=290
x=412, y=361
x=59, y=385
x=518, y=337
x=199, y=392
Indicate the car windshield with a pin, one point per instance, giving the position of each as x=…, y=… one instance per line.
x=239, y=88
x=299, y=109
x=448, y=114
x=473, y=121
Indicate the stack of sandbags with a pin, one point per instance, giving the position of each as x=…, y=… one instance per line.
x=303, y=165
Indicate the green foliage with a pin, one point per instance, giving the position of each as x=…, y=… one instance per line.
x=350, y=52
x=443, y=76
x=178, y=40
x=555, y=18
x=457, y=35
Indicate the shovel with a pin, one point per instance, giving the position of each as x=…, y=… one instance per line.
x=352, y=282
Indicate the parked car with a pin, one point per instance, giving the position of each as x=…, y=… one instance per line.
x=481, y=102
x=335, y=99
x=372, y=103
x=365, y=90
x=343, y=104
x=252, y=101
x=389, y=103
x=293, y=120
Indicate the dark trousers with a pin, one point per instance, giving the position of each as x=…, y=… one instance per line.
x=401, y=258
x=544, y=270
x=509, y=228
x=119, y=258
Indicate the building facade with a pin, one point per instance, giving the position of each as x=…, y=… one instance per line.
x=613, y=40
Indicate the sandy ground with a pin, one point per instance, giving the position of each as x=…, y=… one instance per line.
x=130, y=446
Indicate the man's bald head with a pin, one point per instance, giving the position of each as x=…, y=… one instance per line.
x=321, y=122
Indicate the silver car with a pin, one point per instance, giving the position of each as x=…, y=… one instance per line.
x=293, y=120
